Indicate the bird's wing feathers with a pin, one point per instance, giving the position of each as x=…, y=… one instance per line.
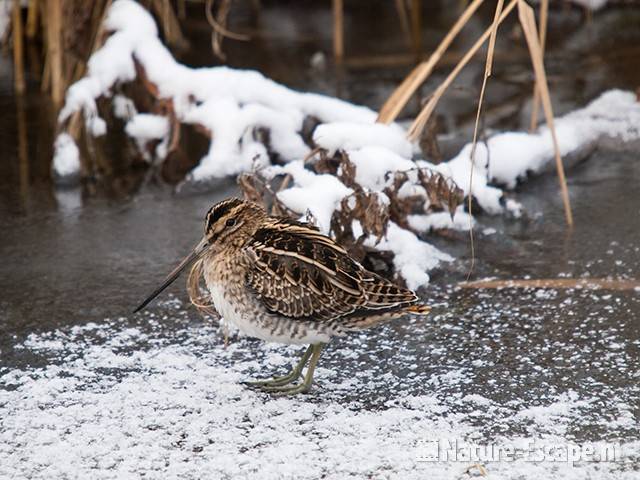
x=299, y=273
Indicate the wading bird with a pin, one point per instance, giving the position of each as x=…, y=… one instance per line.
x=283, y=281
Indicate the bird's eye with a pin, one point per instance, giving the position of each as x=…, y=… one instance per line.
x=231, y=222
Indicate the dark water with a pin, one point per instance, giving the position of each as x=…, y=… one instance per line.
x=71, y=256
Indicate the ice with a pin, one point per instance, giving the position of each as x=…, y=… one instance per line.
x=120, y=401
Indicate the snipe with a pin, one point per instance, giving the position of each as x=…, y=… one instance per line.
x=283, y=281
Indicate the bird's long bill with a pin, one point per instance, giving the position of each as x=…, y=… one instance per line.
x=197, y=252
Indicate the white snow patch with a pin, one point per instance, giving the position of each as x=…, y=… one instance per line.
x=230, y=103
x=145, y=126
x=441, y=220
x=614, y=115
x=352, y=136
x=412, y=257
x=123, y=107
x=373, y=163
x=66, y=157
x=120, y=403
x=320, y=194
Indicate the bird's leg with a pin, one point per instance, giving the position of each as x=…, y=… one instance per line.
x=308, y=378
x=294, y=374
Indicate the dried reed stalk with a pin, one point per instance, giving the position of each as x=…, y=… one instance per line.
x=421, y=120
x=75, y=123
x=487, y=73
x=338, y=30
x=544, y=16
x=403, y=16
x=560, y=283
x=416, y=26
x=528, y=22
x=54, y=49
x=18, y=49
x=32, y=19
x=219, y=27
x=169, y=23
x=399, y=98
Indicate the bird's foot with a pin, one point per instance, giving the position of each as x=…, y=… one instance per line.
x=280, y=386
x=275, y=381
x=290, y=377
x=286, y=390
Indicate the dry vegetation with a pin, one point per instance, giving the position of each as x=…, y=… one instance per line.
x=71, y=31
x=373, y=212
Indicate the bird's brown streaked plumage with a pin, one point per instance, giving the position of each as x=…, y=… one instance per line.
x=282, y=280
x=300, y=273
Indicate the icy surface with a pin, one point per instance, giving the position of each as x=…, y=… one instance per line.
x=161, y=397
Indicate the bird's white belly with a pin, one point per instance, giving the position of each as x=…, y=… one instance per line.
x=257, y=324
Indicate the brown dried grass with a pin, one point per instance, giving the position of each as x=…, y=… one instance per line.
x=373, y=214
x=557, y=283
x=534, y=42
x=401, y=95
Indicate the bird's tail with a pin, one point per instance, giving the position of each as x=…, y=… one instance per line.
x=370, y=319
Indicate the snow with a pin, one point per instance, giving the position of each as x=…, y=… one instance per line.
x=228, y=102
x=614, y=115
x=123, y=107
x=319, y=194
x=441, y=220
x=591, y=4
x=231, y=104
x=66, y=157
x=352, y=136
x=145, y=126
x=373, y=163
x=412, y=257
x=121, y=400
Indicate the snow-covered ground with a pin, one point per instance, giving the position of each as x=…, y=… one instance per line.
x=160, y=396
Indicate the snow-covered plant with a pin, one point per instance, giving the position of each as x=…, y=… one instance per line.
x=320, y=157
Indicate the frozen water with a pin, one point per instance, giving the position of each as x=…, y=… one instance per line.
x=160, y=395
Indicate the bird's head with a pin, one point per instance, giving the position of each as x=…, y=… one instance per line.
x=228, y=225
